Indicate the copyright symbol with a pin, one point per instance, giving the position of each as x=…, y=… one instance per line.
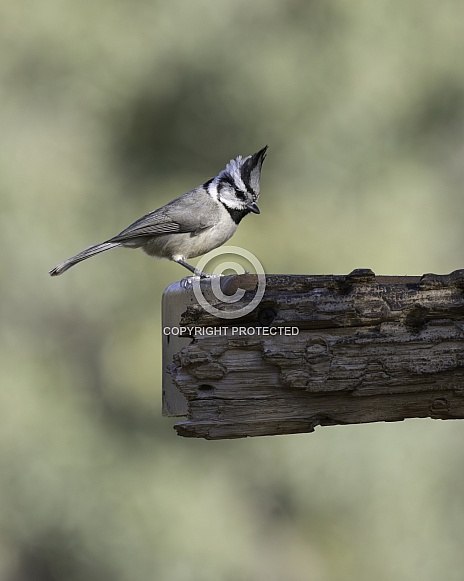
x=237, y=268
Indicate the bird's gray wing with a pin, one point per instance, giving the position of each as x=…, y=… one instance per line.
x=191, y=212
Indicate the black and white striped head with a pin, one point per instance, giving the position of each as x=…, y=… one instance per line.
x=237, y=186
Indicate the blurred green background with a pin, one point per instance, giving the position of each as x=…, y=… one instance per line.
x=108, y=110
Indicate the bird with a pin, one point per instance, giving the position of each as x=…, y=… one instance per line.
x=194, y=223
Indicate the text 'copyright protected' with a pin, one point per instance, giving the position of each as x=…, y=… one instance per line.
x=231, y=331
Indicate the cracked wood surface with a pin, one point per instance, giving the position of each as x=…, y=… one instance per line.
x=368, y=349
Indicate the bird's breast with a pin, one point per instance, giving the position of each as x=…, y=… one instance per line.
x=190, y=244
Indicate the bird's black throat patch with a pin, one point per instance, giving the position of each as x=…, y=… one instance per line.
x=236, y=215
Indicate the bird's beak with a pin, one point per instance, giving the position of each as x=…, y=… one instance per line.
x=253, y=207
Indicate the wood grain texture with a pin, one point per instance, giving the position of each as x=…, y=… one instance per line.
x=367, y=349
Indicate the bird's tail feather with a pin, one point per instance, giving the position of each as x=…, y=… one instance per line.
x=87, y=253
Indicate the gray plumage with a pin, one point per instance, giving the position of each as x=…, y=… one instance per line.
x=194, y=223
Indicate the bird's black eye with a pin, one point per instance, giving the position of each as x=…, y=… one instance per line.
x=240, y=195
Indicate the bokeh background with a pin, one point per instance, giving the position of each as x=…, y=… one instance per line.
x=108, y=110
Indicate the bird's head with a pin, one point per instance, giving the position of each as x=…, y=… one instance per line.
x=237, y=185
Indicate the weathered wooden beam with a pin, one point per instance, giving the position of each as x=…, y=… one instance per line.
x=321, y=350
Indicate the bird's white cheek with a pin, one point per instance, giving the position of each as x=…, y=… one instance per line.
x=233, y=204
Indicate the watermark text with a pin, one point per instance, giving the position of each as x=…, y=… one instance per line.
x=184, y=331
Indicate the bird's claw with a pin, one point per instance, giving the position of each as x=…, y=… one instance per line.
x=187, y=282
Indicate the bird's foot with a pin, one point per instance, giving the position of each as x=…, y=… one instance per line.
x=187, y=282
